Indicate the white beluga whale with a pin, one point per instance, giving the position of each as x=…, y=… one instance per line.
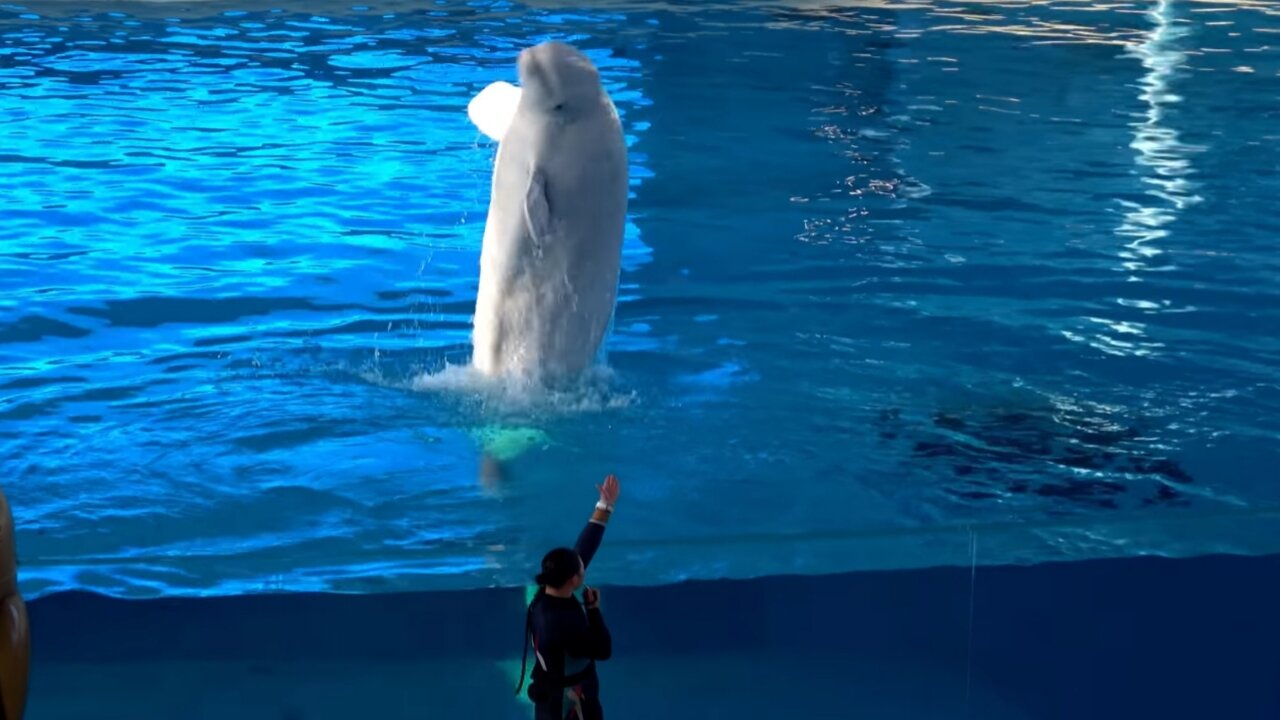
x=551, y=250
x=552, y=245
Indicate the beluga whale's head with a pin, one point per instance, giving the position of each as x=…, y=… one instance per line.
x=559, y=81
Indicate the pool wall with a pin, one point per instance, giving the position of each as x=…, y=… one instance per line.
x=1130, y=638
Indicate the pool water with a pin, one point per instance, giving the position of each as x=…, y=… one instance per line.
x=897, y=276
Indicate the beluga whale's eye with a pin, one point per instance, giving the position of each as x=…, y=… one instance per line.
x=559, y=107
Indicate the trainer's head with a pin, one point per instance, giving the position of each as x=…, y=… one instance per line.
x=562, y=571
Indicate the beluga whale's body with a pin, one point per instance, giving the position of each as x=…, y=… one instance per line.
x=552, y=243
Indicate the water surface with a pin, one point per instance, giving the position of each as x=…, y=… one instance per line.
x=904, y=285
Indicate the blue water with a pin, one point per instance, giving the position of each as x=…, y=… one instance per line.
x=895, y=278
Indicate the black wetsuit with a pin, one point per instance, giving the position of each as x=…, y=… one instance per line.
x=568, y=639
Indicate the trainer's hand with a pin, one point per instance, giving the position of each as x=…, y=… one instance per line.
x=591, y=598
x=609, y=490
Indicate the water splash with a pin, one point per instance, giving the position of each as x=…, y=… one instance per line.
x=594, y=391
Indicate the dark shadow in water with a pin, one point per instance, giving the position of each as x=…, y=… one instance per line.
x=1079, y=459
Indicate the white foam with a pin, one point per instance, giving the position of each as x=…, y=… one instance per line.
x=593, y=391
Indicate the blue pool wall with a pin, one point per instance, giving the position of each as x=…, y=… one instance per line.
x=1128, y=638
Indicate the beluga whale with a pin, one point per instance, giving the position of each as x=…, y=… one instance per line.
x=552, y=244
